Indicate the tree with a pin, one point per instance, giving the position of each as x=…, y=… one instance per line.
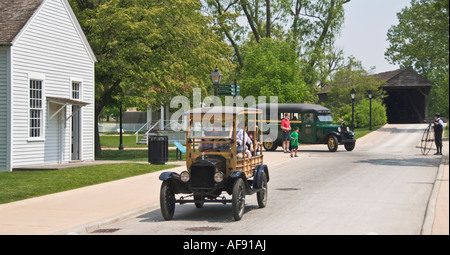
x=148, y=50
x=421, y=41
x=309, y=26
x=362, y=113
x=271, y=68
x=353, y=76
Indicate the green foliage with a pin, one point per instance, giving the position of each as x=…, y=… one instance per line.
x=439, y=94
x=271, y=68
x=421, y=41
x=362, y=113
x=150, y=51
x=353, y=76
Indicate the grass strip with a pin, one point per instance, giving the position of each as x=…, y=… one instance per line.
x=20, y=185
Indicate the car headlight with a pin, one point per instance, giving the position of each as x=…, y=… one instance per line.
x=348, y=129
x=185, y=176
x=218, y=177
x=339, y=129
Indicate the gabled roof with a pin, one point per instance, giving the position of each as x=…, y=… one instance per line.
x=403, y=78
x=400, y=78
x=14, y=14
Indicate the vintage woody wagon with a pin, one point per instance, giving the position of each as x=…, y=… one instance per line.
x=220, y=157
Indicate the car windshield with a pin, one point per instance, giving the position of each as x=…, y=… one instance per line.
x=211, y=129
x=325, y=118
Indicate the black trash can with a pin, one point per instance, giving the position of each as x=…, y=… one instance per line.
x=158, y=149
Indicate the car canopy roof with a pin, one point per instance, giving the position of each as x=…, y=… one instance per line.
x=302, y=108
x=223, y=110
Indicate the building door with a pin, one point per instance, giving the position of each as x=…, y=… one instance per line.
x=75, y=143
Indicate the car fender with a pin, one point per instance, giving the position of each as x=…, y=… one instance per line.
x=237, y=175
x=258, y=175
x=168, y=175
x=175, y=182
x=335, y=133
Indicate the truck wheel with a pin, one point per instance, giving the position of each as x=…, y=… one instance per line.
x=167, y=201
x=349, y=146
x=262, y=194
x=269, y=145
x=332, y=143
x=238, y=199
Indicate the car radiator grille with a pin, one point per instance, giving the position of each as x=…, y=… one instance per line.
x=202, y=177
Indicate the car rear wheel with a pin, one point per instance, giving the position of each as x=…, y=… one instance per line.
x=269, y=145
x=332, y=143
x=262, y=194
x=238, y=199
x=167, y=201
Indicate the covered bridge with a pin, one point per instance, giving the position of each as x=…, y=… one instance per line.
x=407, y=98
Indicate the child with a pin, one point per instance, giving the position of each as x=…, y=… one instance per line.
x=294, y=141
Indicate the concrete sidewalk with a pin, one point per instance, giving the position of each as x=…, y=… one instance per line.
x=89, y=208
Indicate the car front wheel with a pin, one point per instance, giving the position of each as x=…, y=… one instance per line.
x=167, y=201
x=349, y=146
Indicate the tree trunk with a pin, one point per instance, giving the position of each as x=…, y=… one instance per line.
x=268, y=21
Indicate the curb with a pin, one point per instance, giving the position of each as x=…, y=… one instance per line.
x=430, y=211
x=98, y=224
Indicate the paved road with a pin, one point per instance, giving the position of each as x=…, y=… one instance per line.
x=382, y=187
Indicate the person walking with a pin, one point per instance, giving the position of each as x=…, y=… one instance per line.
x=285, y=128
x=294, y=142
x=438, y=129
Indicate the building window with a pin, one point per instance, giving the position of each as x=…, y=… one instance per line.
x=76, y=89
x=36, y=109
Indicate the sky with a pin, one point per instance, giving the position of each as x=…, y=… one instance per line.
x=364, y=35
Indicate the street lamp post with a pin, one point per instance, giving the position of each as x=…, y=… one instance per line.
x=353, y=95
x=215, y=78
x=120, y=128
x=369, y=94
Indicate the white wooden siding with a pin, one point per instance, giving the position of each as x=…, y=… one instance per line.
x=4, y=116
x=50, y=45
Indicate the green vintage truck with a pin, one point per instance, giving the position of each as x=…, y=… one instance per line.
x=314, y=122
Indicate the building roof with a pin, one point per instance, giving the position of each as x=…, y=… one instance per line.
x=400, y=78
x=403, y=78
x=14, y=14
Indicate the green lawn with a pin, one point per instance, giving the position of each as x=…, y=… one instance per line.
x=132, y=155
x=360, y=132
x=20, y=185
x=113, y=141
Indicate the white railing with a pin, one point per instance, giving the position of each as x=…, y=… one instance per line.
x=145, y=125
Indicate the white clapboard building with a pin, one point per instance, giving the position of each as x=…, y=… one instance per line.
x=46, y=85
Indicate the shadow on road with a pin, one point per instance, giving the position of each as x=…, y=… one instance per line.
x=425, y=162
x=210, y=213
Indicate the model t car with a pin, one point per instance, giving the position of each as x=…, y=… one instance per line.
x=314, y=123
x=218, y=161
